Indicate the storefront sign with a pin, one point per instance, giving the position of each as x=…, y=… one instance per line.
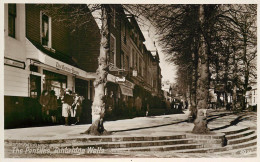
x=14, y=63
x=134, y=73
x=65, y=68
x=128, y=84
x=43, y=59
x=120, y=79
x=126, y=91
x=111, y=78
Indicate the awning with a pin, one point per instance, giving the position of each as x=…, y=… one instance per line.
x=126, y=91
x=41, y=59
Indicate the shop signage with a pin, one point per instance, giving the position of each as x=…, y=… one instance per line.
x=126, y=91
x=128, y=84
x=14, y=63
x=111, y=78
x=65, y=68
x=134, y=73
x=120, y=79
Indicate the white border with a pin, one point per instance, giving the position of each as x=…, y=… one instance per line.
x=122, y=2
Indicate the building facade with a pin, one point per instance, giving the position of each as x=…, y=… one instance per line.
x=42, y=54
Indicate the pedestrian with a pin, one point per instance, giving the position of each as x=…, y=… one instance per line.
x=44, y=101
x=168, y=104
x=147, y=109
x=53, y=106
x=186, y=104
x=110, y=102
x=78, y=100
x=66, y=106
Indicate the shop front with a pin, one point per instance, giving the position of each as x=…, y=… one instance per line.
x=49, y=74
x=119, y=96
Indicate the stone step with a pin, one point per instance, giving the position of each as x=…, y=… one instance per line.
x=229, y=132
x=159, y=148
x=242, y=139
x=239, y=135
x=220, y=149
x=100, y=139
x=126, y=144
x=244, y=151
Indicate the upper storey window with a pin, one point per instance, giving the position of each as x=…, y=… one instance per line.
x=45, y=30
x=11, y=19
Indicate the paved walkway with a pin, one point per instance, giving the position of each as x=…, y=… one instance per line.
x=154, y=125
x=141, y=126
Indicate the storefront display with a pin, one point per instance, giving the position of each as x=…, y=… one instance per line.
x=54, y=81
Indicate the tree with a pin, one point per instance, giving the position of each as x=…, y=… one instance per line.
x=75, y=17
x=98, y=106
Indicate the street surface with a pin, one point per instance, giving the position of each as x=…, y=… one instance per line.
x=154, y=125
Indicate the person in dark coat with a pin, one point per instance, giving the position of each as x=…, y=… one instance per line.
x=44, y=101
x=53, y=106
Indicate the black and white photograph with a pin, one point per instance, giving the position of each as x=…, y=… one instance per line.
x=115, y=80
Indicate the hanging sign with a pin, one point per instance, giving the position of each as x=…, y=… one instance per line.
x=120, y=79
x=14, y=63
x=134, y=73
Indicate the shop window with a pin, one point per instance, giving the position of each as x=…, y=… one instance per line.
x=91, y=89
x=11, y=19
x=112, y=49
x=54, y=81
x=45, y=30
x=35, y=86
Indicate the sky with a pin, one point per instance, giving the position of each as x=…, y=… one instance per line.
x=168, y=70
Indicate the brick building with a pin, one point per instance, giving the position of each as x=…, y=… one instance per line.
x=43, y=54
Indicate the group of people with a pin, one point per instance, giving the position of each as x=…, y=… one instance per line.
x=71, y=106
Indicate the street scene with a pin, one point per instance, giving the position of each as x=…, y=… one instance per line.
x=130, y=80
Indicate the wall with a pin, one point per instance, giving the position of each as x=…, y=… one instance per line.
x=15, y=79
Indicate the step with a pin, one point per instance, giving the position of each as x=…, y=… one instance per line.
x=247, y=150
x=242, y=139
x=235, y=131
x=239, y=135
x=159, y=148
x=99, y=139
x=219, y=149
x=127, y=144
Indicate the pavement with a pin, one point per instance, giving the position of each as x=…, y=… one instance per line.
x=140, y=126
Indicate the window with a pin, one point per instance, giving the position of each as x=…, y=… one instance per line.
x=140, y=65
x=124, y=32
x=45, y=30
x=133, y=58
x=11, y=19
x=127, y=62
x=112, y=49
x=122, y=60
x=113, y=17
x=54, y=81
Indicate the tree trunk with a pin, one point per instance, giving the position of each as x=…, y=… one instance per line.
x=98, y=106
x=200, y=124
x=193, y=108
x=234, y=98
